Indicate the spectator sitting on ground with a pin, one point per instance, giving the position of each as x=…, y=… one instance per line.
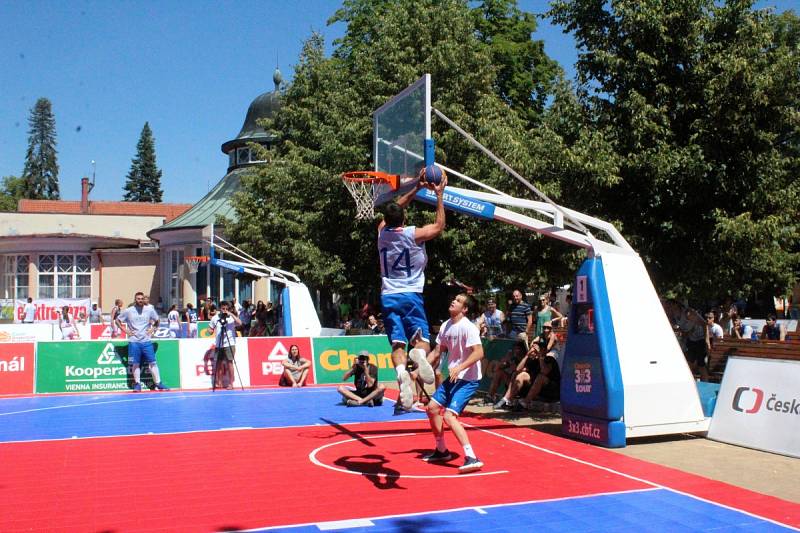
x=740, y=330
x=547, y=340
x=502, y=371
x=526, y=372
x=546, y=385
x=365, y=378
x=772, y=330
x=295, y=369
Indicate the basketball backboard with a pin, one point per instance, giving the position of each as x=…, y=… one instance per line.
x=402, y=142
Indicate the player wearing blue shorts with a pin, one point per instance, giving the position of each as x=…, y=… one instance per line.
x=403, y=258
x=139, y=322
x=461, y=339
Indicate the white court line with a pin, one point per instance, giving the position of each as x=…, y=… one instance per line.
x=628, y=476
x=313, y=458
x=320, y=525
x=189, y=432
x=139, y=397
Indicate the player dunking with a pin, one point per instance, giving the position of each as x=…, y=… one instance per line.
x=403, y=259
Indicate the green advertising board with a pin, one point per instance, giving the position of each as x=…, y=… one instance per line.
x=493, y=350
x=333, y=356
x=93, y=366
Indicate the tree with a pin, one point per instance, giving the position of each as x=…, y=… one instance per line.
x=524, y=73
x=40, y=173
x=11, y=190
x=143, y=183
x=699, y=101
x=295, y=212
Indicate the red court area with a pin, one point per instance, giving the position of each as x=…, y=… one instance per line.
x=213, y=481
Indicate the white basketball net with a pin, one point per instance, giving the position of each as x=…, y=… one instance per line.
x=193, y=264
x=362, y=193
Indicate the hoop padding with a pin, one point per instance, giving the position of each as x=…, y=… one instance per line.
x=361, y=184
x=193, y=262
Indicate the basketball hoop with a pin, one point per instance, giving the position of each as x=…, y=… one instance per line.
x=193, y=262
x=361, y=184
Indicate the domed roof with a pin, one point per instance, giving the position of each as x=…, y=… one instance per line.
x=264, y=106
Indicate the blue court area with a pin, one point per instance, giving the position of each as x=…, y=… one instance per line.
x=108, y=415
x=632, y=512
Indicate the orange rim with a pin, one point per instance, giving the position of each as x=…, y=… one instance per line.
x=370, y=176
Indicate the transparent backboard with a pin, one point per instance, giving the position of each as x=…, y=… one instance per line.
x=400, y=128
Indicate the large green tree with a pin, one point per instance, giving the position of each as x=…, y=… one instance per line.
x=143, y=183
x=295, y=212
x=524, y=73
x=699, y=100
x=40, y=173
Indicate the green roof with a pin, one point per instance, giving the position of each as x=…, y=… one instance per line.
x=216, y=203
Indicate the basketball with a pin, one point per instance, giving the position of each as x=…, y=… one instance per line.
x=433, y=174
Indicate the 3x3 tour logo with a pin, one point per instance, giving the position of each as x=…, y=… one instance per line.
x=750, y=400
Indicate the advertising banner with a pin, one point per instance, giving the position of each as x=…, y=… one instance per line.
x=26, y=332
x=333, y=356
x=16, y=368
x=268, y=353
x=91, y=366
x=197, y=364
x=48, y=310
x=493, y=350
x=759, y=405
x=103, y=332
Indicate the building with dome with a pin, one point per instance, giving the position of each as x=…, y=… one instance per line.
x=103, y=250
x=187, y=235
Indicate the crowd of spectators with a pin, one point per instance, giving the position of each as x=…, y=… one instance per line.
x=698, y=333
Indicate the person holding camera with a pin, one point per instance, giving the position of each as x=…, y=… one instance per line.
x=224, y=325
x=365, y=378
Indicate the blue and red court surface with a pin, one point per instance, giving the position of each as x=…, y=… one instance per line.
x=297, y=460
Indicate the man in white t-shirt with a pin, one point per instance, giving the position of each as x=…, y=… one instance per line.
x=29, y=312
x=461, y=340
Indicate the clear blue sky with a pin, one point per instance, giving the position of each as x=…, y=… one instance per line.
x=189, y=68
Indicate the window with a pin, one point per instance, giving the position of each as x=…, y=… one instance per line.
x=244, y=155
x=65, y=276
x=176, y=261
x=15, y=276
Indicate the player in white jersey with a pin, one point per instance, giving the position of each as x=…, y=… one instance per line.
x=461, y=339
x=403, y=258
x=174, y=321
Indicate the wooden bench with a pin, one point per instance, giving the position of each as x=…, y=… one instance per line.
x=718, y=356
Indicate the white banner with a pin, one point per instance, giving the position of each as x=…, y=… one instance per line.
x=196, y=364
x=26, y=332
x=48, y=310
x=759, y=405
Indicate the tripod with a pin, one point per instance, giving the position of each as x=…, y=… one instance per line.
x=223, y=323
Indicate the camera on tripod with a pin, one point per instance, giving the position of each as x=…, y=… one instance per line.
x=223, y=317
